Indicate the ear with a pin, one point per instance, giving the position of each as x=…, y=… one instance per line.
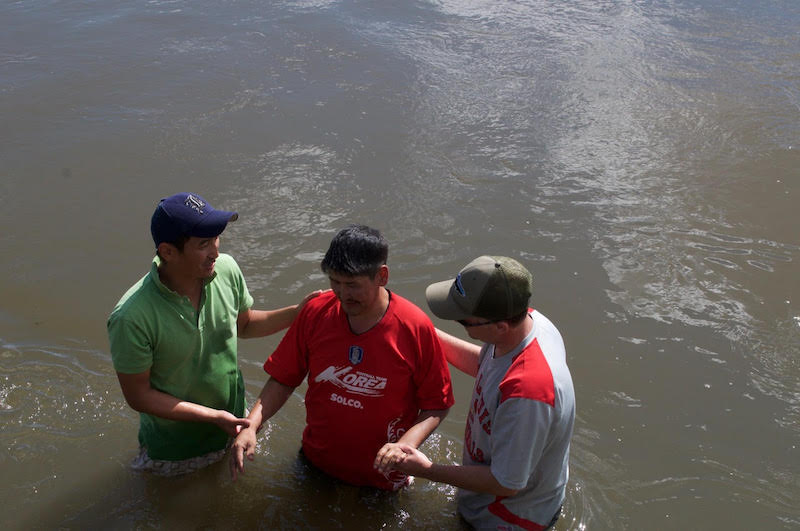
x=502, y=327
x=166, y=251
x=383, y=275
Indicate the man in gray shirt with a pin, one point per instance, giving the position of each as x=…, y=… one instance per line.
x=515, y=462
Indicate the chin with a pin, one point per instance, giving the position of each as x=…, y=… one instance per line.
x=351, y=309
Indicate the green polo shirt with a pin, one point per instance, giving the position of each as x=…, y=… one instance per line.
x=191, y=354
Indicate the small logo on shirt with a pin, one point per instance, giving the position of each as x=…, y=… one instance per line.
x=356, y=382
x=393, y=434
x=356, y=355
x=349, y=402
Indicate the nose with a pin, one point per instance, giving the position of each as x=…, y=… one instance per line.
x=341, y=291
x=215, y=248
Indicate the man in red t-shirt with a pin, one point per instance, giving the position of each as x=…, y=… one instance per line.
x=376, y=371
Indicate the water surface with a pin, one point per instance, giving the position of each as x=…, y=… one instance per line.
x=640, y=158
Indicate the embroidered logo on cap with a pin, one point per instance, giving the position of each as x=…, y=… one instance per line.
x=459, y=287
x=194, y=203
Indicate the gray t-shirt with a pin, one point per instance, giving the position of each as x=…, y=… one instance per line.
x=520, y=423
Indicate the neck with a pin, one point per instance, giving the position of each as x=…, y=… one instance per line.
x=186, y=286
x=509, y=341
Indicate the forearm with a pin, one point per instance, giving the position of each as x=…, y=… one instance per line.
x=461, y=354
x=427, y=421
x=160, y=404
x=477, y=478
x=258, y=323
x=273, y=396
x=266, y=322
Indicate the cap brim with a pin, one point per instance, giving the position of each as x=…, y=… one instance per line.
x=441, y=302
x=213, y=224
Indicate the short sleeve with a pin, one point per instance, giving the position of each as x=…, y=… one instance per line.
x=432, y=375
x=240, y=285
x=519, y=434
x=289, y=363
x=131, y=348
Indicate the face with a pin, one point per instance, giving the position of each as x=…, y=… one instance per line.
x=197, y=258
x=481, y=329
x=359, y=294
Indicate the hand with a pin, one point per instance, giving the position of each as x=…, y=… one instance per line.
x=230, y=423
x=388, y=457
x=244, y=445
x=402, y=457
x=415, y=462
x=310, y=296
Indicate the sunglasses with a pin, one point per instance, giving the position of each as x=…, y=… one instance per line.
x=466, y=324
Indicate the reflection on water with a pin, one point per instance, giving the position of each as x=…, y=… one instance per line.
x=641, y=158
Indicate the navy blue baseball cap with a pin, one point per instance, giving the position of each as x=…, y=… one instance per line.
x=187, y=215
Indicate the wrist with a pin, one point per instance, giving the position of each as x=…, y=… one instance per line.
x=253, y=427
x=215, y=416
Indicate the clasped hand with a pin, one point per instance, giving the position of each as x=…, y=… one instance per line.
x=402, y=457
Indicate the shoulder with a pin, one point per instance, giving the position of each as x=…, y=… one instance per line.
x=136, y=301
x=134, y=321
x=529, y=376
x=320, y=306
x=226, y=264
x=227, y=272
x=225, y=258
x=409, y=313
x=550, y=343
x=544, y=326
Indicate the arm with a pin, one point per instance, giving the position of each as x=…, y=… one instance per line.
x=477, y=478
x=145, y=399
x=259, y=323
x=521, y=429
x=427, y=421
x=393, y=452
x=461, y=354
x=272, y=397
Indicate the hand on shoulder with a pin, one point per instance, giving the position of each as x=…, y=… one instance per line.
x=314, y=294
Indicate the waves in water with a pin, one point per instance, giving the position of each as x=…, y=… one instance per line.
x=640, y=157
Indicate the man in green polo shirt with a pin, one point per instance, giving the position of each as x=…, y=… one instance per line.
x=173, y=338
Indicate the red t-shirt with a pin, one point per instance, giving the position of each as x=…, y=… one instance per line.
x=364, y=390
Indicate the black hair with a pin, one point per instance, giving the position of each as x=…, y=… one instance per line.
x=179, y=243
x=356, y=250
x=514, y=320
